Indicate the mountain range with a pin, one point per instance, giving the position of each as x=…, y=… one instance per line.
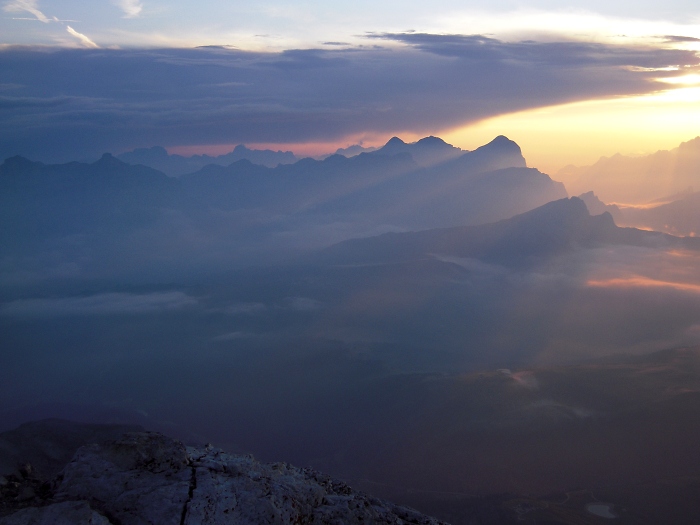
x=637, y=180
x=427, y=151
x=246, y=207
x=676, y=214
x=445, y=186
x=542, y=233
x=158, y=158
x=445, y=328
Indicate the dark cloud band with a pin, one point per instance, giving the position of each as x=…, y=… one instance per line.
x=69, y=103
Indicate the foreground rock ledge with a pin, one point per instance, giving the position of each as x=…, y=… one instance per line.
x=147, y=478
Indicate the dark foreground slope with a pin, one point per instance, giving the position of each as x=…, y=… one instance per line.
x=540, y=444
x=147, y=478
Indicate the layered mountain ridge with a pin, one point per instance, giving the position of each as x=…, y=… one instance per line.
x=553, y=228
x=637, y=180
x=158, y=158
x=246, y=207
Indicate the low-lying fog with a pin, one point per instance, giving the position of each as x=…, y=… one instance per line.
x=515, y=357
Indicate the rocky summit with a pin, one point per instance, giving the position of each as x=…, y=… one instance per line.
x=147, y=478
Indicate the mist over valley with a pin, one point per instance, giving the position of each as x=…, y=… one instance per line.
x=446, y=328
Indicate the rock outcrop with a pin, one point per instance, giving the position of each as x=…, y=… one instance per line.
x=147, y=478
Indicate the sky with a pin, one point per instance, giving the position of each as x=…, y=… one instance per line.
x=569, y=82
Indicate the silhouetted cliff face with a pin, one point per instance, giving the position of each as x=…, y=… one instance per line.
x=147, y=478
x=554, y=228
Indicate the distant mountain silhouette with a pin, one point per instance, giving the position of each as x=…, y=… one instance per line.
x=549, y=230
x=175, y=165
x=388, y=186
x=677, y=215
x=244, y=207
x=484, y=185
x=428, y=151
x=294, y=188
x=39, y=199
x=500, y=153
x=596, y=206
x=354, y=150
x=637, y=180
x=107, y=179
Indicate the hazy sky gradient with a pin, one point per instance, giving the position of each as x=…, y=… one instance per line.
x=317, y=75
x=275, y=24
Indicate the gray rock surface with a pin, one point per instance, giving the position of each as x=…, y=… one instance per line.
x=142, y=478
x=238, y=489
x=147, y=478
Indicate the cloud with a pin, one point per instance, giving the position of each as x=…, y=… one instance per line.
x=100, y=304
x=482, y=48
x=526, y=379
x=638, y=281
x=131, y=8
x=560, y=409
x=232, y=336
x=85, y=41
x=302, y=304
x=427, y=84
x=677, y=38
x=31, y=102
x=245, y=309
x=29, y=6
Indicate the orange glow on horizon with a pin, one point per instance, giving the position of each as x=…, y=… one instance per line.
x=580, y=133
x=639, y=281
x=647, y=206
x=552, y=137
x=309, y=149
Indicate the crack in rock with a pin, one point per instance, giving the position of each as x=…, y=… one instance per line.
x=190, y=495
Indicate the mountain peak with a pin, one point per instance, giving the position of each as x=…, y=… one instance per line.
x=18, y=160
x=109, y=160
x=691, y=146
x=426, y=152
x=395, y=141
x=571, y=215
x=19, y=165
x=432, y=141
x=547, y=231
x=502, y=141
x=498, y=154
